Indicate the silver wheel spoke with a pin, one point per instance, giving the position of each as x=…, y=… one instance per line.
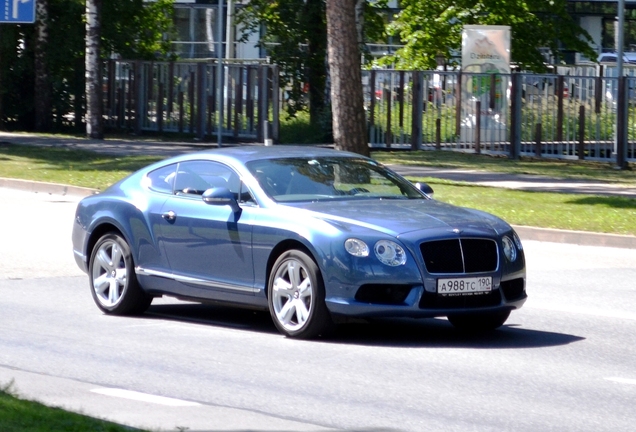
x=116, y=255
x=113, y=292
x=286, y=313
x=101, y=283
x=104, y=260
x=120, y=275
x=293, y=269
x=305, y=288
x=302, y=313
x=283, y=288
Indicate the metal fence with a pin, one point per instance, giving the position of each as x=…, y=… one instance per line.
x=553, y=115
x=182, y=97
x=574, y=114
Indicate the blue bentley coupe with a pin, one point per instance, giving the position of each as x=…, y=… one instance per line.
x=314, y=235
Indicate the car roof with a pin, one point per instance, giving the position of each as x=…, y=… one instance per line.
x=249, y=153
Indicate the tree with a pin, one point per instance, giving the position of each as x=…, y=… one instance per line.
x=428, y=28
x=94, y=109
x=296, y=40
x=43, y=102
x=133, y=28
x=295, y=37
x=347, y=105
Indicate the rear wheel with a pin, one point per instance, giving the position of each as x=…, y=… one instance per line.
x=112, y=278
x=479, y=322
x=296, y=297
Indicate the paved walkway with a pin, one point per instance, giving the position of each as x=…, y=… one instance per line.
x=512, y=181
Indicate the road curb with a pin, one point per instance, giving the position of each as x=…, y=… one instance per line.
x=575, y=237
x=44, y=187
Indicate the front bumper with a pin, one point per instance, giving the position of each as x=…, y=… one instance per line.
x=424, y=303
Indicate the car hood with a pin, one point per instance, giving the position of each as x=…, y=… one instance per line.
x=396, y=217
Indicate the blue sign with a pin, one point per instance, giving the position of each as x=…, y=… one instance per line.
x=17, y=11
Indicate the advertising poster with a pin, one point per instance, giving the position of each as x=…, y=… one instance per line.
x=485, y=51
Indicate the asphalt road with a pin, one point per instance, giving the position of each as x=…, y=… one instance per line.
x=563, y=362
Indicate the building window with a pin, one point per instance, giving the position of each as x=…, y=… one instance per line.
x=196, y=31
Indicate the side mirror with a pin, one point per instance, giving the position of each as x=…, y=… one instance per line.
x=221, y=196
x=423, y=187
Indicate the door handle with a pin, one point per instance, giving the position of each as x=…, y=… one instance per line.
x=169, y=216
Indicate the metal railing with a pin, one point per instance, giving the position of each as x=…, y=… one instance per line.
x=182, y=97
x=553, y=116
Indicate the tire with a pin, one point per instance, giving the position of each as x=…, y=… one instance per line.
x=477, y=323
x=111, y=273
x=296, y=297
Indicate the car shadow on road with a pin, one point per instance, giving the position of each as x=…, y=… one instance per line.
x=439, y=333
x=399, y=333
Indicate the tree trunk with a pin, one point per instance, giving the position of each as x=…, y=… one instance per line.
x=43, y=99
x=349, y=123
x=94, y=128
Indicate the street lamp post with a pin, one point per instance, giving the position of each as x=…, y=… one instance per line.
x=621, y=112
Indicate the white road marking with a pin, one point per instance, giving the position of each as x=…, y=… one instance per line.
x=143, y=397
x=622, y=380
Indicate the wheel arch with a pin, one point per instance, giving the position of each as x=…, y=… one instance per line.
x=98, y=232
x=281, y=248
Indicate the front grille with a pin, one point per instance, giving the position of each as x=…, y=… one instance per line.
x=456, y=256
x=434, y=301
x=383, y=294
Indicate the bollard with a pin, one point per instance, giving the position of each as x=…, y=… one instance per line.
x=267, y=140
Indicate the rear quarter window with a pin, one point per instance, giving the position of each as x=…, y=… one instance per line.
x=162, y=179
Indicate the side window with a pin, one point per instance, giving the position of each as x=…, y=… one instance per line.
x=195, y=177
x=162, y=179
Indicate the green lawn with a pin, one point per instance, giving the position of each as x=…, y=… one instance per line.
x=582, y=170
x=601, y=214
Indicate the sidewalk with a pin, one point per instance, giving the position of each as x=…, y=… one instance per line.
x=511, y=181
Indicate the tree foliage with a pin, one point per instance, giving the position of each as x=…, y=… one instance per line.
x=133, y=28
x=294, y=33
x=295, y=39
x=428, y=28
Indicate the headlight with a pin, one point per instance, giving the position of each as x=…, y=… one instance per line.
x=517, y=240
x=356, y=247
x=509, y=248
x=390, y=253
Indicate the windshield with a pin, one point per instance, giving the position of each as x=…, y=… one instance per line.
x=302, y=179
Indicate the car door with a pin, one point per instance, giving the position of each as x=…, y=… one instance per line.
x=207, y=245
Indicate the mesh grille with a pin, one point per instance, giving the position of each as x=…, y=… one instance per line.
x=458, y=256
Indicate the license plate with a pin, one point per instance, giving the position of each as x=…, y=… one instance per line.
x=464, y=285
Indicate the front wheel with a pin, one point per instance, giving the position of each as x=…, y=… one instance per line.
x=296, y=297
x=479, y=322
x=112, y=278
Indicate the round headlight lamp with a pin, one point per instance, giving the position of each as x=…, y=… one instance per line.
x=356, y=247
x=517, y=240
x=390, y=253
x=510, y=251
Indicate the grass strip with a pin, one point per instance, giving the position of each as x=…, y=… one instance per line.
x=556, y=168
x=18, y=415
x=67, y=166
x=592, y=213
